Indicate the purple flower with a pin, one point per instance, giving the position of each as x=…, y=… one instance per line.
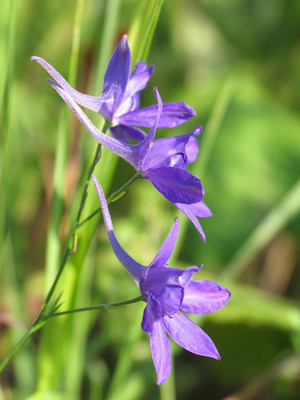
x=162, y=161
x=169, y=293
x=120, y=98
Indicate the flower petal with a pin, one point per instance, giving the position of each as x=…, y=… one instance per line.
x=145, y=146
x=173, y=114
x=155, y=279
x=165, y=252
x=189, y=336
x=117, y=75
x=147, y=322
x=192, y=211
x=91, y=102
x=160, y=350
x=175, y=151
x=192, y=146
x=139, y=78
x=137, y=82
x=177, y=185
x=167, y=303
x=201, y=297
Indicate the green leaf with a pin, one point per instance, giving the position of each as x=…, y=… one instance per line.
x=143, y=28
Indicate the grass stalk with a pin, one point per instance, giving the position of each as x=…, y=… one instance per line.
x=270, y=226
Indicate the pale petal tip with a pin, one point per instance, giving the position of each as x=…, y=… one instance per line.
x=124, y=43
x=197, y=130
x=161, y=380
x=157, y=95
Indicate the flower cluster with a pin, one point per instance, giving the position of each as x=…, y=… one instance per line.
x=169, y=292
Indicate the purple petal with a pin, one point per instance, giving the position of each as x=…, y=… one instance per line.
x=123, y=133
x=167, y=303
x=160, y=350
x=192, y=146
x=155, y=279
x=145, y=146
x=189, y=336
x=173, y=114
x=116, y=76
x=201, y=297
x=192, y=211
x=91, y=102
x=137, y=82
x=139, y=78
x=176, y=185
x=175, y=151
x=165, y=252
x=147, y=322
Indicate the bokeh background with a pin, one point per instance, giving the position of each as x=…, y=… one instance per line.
x=237, y=63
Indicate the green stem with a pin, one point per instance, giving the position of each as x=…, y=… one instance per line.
x=98, y=307
x=35, y=327
x=81, y=206
x=113, y=197
x=41, y=320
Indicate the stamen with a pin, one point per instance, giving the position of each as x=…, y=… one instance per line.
x=179, y=312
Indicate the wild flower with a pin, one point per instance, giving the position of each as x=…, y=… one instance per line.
x=120, y=99
x=169, y=293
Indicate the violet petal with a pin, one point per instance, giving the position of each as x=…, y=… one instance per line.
x=175, y=151
x=117, y=75
x=192, y=211
x=165, y=252
x=189, y=336
x=160, y=350
x=156, y=279
x=175, y=184
x=147, y=322
x=173, y=114
x=201, y=297
x=167, y=303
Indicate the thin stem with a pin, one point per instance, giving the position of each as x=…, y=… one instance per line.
x=40, y=322
x=35, y=327
x=113, y=197
x=81, y=206
x=99, y=307
x=42, y=318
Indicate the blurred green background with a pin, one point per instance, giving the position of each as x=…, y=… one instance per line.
x=237, y=63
